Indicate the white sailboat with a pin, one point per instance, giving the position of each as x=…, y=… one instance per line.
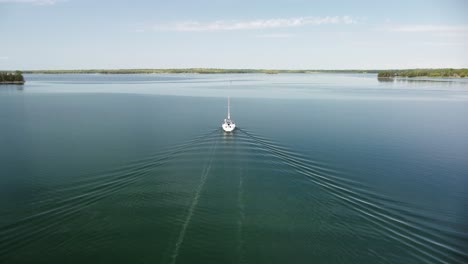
x=228, y=124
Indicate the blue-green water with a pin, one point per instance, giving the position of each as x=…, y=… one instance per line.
x=324, y=168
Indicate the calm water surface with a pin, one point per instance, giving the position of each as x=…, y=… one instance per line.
x=324, y=168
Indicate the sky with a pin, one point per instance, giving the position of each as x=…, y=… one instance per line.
x=273, y=34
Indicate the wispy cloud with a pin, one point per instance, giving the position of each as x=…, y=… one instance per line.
x=275, y=35
x=223, y=25
x=34, y=2
x=428, y=28
x=3, y=58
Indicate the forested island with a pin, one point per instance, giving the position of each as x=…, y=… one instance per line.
x=11, y=78
x=431, y=73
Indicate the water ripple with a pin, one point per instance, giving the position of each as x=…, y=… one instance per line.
x=189, y=199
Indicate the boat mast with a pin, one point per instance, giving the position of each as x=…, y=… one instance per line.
x=229, y=103
x=229, y=108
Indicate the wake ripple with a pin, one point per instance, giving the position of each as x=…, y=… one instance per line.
x=426, y=245
x=390, y=217
x=85, y=192
x=193, y=205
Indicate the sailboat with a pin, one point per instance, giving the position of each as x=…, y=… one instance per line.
x=229, y=124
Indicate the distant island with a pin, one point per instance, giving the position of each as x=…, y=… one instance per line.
x=430, y=73
x=11, y=78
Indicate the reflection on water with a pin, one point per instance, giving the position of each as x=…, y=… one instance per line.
x=426, y=83
x=386, y=80
x=8, y=88
x=137, y=177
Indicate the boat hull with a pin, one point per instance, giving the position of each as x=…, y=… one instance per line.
x=228, y=127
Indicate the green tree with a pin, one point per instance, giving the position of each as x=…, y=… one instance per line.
x=19, y=76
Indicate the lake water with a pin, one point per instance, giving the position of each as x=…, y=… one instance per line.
x=323, y=168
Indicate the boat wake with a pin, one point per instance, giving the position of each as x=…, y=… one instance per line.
x=249, y=189
x=194, y=204
x=383, y=212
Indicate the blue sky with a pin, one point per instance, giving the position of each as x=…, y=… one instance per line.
x=294, y=34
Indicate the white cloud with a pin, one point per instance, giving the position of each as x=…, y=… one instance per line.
x=34, y=2
x=428, y=28
x=222, y=25
x=3, y=58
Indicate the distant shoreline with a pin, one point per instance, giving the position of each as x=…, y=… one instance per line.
x=409, y=73
x=190, y=71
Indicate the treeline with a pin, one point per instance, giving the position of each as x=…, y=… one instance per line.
x=192, y=70
x=11, y=77
x=432, y=73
